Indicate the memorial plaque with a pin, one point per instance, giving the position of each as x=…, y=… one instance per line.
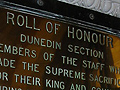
x=38, y=52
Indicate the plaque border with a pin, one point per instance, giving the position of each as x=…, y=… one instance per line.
x=65, y=19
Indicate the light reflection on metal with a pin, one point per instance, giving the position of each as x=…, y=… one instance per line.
x=111, y=7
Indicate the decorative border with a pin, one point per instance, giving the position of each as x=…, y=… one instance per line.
x=66, y=12
x=111, y=7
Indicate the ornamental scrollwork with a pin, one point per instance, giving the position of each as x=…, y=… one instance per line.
x=111, y=7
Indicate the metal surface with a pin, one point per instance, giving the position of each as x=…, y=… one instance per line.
x=45, y=51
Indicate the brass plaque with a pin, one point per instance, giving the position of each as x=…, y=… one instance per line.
x=38, y=53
